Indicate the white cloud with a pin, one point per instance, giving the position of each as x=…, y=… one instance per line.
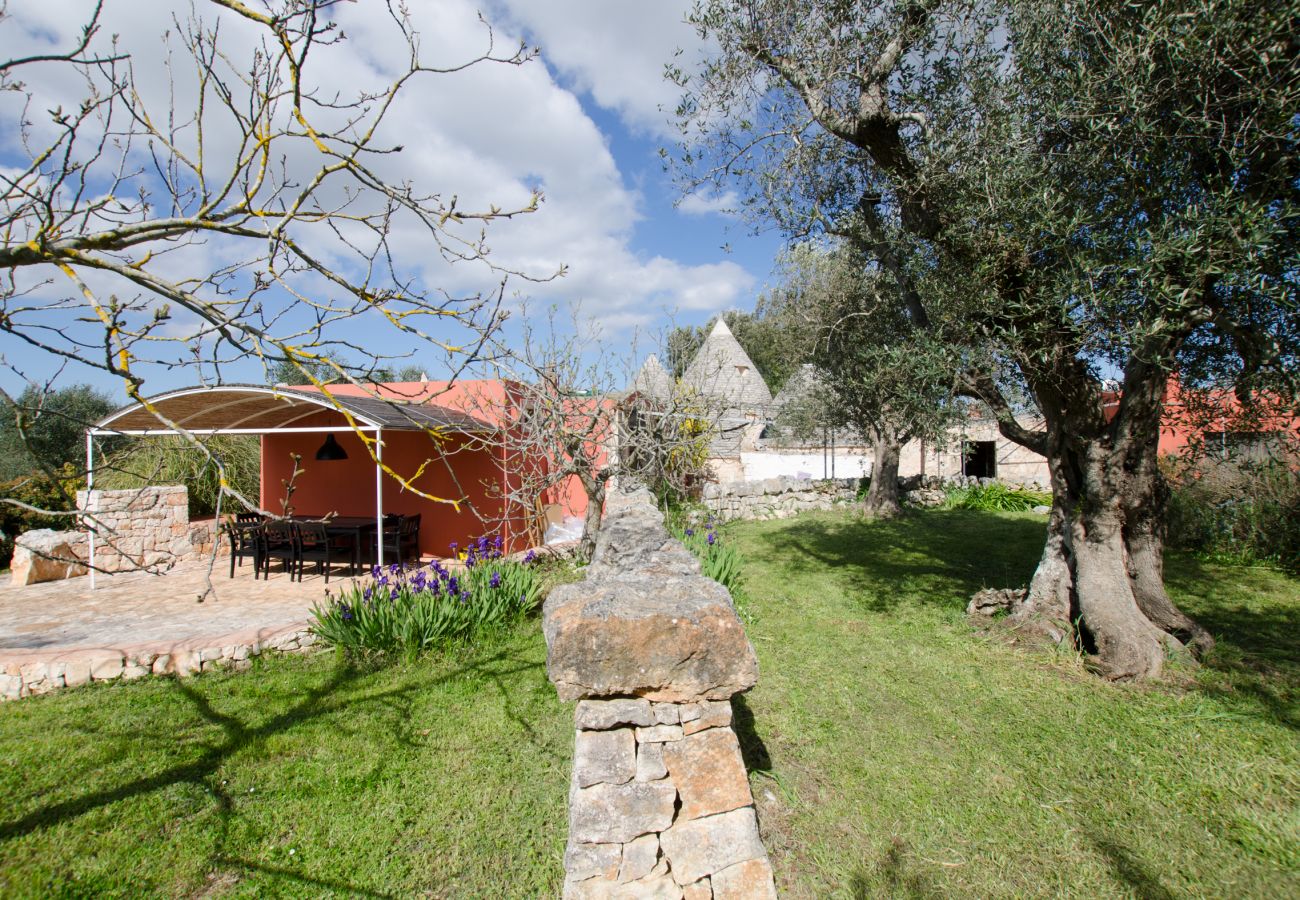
x=616, y=50
x=701, y=204
x=488, y=135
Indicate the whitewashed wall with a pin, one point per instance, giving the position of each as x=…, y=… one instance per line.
x=812, y=464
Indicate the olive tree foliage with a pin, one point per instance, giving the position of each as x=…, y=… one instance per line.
x=1089, y=189
x=882, y=378
x=236, y=203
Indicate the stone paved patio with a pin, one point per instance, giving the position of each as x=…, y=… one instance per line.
x=134, y=624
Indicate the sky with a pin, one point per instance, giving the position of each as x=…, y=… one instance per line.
x=584, y=122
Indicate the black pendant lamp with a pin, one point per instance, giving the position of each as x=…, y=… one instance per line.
x=331, y=450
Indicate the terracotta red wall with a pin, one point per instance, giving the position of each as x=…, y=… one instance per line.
x=347, y=487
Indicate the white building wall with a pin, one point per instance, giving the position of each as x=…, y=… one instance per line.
x=805, y=464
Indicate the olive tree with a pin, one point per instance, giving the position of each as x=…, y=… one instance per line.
x=1094, y=190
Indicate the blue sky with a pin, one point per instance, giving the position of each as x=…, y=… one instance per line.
x=584, y=121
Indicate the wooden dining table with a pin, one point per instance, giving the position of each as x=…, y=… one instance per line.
x=357, y=528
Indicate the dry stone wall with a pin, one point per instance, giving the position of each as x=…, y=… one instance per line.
x=659, y=802
x=776, y=498
x=143, y=527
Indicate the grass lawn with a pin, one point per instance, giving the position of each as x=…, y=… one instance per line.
x=893, y=752
x=301, y=778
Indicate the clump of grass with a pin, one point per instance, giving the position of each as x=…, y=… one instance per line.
x=414, y=610
x=995, y=497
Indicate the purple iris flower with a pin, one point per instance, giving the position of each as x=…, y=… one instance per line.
x=529, y=557
x=347, y=612
x=712, y=537
x=690, y=532
x=374, y=571
x=464, y=596
x=496, y=542
x=496, y=580
x=453, y=585
x=393, y=594
x=366, y=594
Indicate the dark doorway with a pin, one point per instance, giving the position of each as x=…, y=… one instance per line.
x=980, y=459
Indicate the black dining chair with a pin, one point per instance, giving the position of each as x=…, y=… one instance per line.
x=245, y=540
x=402, y=538
x=279, y=541
x=315, y=544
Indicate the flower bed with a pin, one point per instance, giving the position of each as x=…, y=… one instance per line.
x=411, y=610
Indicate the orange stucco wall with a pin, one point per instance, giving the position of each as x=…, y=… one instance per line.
x=347, y=487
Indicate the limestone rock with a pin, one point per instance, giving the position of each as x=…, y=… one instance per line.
x=667, y=713
x=659, y=887
x=709, y=773
x=990, y=601
x=583, y=861
x=650, y=762
x=673, y=638
x=699, y=847
x=601, y=714
x=658, y=734
x=639, y=857
x=633, y=537
x=710, y=714
x=698, y=890
x=604, y=757
x=45, y=555
x=749, y=880
x=617, y=813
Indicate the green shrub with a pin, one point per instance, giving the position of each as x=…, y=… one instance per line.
x=172, y=459
x=1237, y=513
x=414, y=610
x=38, y=491
x=718, y=560
x=995, y=497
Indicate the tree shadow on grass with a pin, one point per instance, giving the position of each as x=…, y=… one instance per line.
x=1258, y=650
x=938, y=557
x=893, y=875
x=329, y=698
x=1129, y=870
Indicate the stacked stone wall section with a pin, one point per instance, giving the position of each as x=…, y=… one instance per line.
x=659, y=803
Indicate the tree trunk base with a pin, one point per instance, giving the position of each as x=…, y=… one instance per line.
x=1010, y=613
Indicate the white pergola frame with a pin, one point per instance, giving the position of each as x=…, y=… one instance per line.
x=364, y=426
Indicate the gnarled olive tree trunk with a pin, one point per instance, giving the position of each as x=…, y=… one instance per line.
x=882, y=501
x=1102, y=564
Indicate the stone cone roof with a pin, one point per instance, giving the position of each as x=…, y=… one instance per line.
x=802, y=385
x=653, y=380
x=723, y=370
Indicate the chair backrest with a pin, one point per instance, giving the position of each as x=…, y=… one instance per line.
x=312, y=534
x=278, y=533
x=248, y=518
x=410, y=525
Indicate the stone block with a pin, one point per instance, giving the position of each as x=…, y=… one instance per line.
x=76, y=672
x=639, y=857
x=600, y=714
x=11, y=687
x=658, y=734
x=650, y=762
x=709, y=773
x=132, y=672
x=44, y=555
x=666, y=638
x=186, y=662
x=659, y=887
x=617, y=813
x=749, y=880
x=162, y=664
x=711, y=714
x=699, y=847
x=604, y=757
x=667, y=713
x=582, y=861
x=698, y=890
x=106, y=668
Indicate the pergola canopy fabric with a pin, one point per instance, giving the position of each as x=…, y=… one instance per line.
x=258, y=408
